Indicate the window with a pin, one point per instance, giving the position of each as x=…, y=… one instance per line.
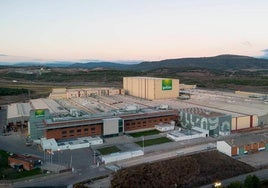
x=63, y=132
x=120, y=126
x=86, y=129
x=78, y=130
x=71, y=131
x=92, y=128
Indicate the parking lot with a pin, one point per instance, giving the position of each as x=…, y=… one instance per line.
x=257, y=160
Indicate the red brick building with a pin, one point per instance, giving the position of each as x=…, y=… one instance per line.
x=74, y=128
x=27, y=162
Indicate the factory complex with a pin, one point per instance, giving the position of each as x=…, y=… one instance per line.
x=144, y=103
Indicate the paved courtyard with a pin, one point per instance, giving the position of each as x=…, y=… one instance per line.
x=257, y=160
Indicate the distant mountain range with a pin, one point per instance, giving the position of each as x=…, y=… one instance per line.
x=92, y=65
x=221, y=62
x=33, y=64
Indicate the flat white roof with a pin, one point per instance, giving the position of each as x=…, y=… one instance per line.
x=58, y=90
x=152, y=78
x=53, y=106
x=18, y=110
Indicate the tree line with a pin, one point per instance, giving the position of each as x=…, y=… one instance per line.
x=12, y=91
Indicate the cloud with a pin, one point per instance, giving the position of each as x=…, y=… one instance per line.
x=3, y=55
x=265, y=53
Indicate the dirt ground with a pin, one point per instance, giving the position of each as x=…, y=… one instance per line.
x=186, y=171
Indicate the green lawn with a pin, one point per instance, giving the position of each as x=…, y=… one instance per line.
x=108, y=150
x=153, y=141
x=144, y=133
x=8, y=173
x=3, y=159
x=13, y=174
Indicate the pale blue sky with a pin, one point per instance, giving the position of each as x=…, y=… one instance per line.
x=131, y=30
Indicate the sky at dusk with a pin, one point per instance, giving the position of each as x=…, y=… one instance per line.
x=46, y=30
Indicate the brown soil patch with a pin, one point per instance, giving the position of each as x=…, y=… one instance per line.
x=187, y=171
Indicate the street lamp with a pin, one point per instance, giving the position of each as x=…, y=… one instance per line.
x=94, y=157
x=143, y=144
x=51, y=156
x=59, y=155
x=217, y=184
x=71, y=160
x=44, y=157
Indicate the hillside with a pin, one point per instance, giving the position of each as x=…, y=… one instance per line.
x=221, y=62
x=93, y=65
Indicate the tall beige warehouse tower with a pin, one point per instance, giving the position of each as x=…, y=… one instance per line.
x=151, y=88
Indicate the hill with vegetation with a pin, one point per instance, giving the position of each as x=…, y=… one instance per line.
x=94, y=65
x=221, y=62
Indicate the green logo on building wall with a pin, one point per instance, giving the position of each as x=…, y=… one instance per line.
x=39, y=113
x=166, y=84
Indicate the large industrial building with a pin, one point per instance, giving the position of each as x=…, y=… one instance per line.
x=213, y=123
x=243, y=122
x=151, y=88
x=42, y=125
x=74, y=113
x=63, y=93
x=217, y=123
x=18, y=113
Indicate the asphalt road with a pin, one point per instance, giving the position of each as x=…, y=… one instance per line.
x=65, y=179
x=261, y=174
x=164, y=155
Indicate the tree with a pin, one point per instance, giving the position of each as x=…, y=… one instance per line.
x=235, y=184
x=252, y=182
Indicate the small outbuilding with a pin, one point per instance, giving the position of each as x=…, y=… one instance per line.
x=243, y=145
x=25, y=162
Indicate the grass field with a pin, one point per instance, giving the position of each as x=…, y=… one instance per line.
x=144, y=133
x=153, y=141
x=108, y=150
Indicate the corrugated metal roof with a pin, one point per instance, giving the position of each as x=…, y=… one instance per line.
x=17, y=110
x=247, y=139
